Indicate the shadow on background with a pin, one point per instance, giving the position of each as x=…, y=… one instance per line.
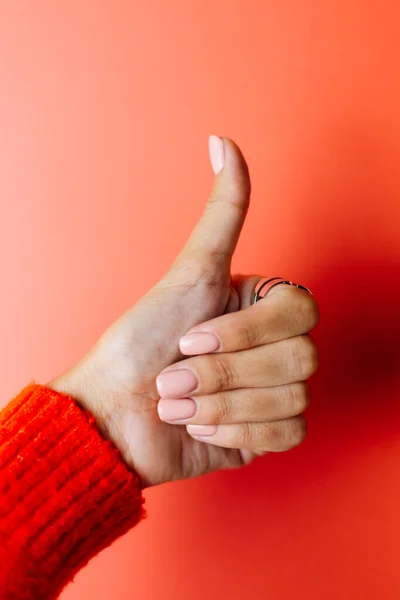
x=347, y=231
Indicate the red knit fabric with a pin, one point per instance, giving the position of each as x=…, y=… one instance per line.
x=65, y=494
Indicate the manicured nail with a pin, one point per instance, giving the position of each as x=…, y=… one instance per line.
x=216, y=148
x=198, y=343
x=200, y=430
x=176, y=410
x=173, y=384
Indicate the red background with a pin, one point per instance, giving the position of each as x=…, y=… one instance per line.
x=105, y=109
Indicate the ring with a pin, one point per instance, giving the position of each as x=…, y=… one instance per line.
x=266, y=285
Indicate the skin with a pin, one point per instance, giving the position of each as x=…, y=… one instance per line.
x=252, y=387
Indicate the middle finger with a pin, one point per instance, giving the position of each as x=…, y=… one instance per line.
x=280, y=363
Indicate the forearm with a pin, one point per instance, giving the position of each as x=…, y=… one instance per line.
x=65, y=493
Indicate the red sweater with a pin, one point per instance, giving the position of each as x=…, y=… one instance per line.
x=65, y=494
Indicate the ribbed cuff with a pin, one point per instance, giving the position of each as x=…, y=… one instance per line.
x=65, y=493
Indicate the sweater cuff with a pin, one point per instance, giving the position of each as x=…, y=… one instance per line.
x=65, y=493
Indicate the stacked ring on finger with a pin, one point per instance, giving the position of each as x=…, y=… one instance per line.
x=265, y=285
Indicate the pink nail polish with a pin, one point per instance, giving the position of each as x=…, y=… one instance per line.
x=200, y=430
x=216, y=148
x=198, y=343
x=176, y=410
x=173, y=384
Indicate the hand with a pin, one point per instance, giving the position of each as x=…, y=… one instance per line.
x=243, y=396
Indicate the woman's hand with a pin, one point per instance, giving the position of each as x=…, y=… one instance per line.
x=241, y=392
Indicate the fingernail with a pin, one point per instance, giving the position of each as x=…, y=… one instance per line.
x=216, y=148
x=199, y=343
x=200, y=430
x=173, y=384
x=176, y=410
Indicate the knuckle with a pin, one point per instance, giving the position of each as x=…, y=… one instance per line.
x=244, y=437
x=303, y=308
x=309, y=311
x=213, y=199
x=295, y=432
x=251, y=335
x=296, y=398
x=272, y=434
x=221, y=408
x=232, y=193
x=225, y=373
x=303, y=357
x=291, y=434
x=284, y=435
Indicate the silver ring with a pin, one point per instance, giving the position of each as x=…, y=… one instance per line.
x=265, y=285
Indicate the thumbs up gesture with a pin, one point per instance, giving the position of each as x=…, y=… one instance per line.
x=195, y=377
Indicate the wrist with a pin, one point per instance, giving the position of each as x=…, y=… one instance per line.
x=82, y=383
x=87, y=386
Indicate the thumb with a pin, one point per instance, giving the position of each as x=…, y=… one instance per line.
x=218, y=230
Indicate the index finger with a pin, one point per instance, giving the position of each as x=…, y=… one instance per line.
x=285, y=312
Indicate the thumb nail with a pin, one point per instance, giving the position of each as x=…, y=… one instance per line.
x=216, y=148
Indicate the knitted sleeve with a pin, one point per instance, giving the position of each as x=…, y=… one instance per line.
x=65, y=494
